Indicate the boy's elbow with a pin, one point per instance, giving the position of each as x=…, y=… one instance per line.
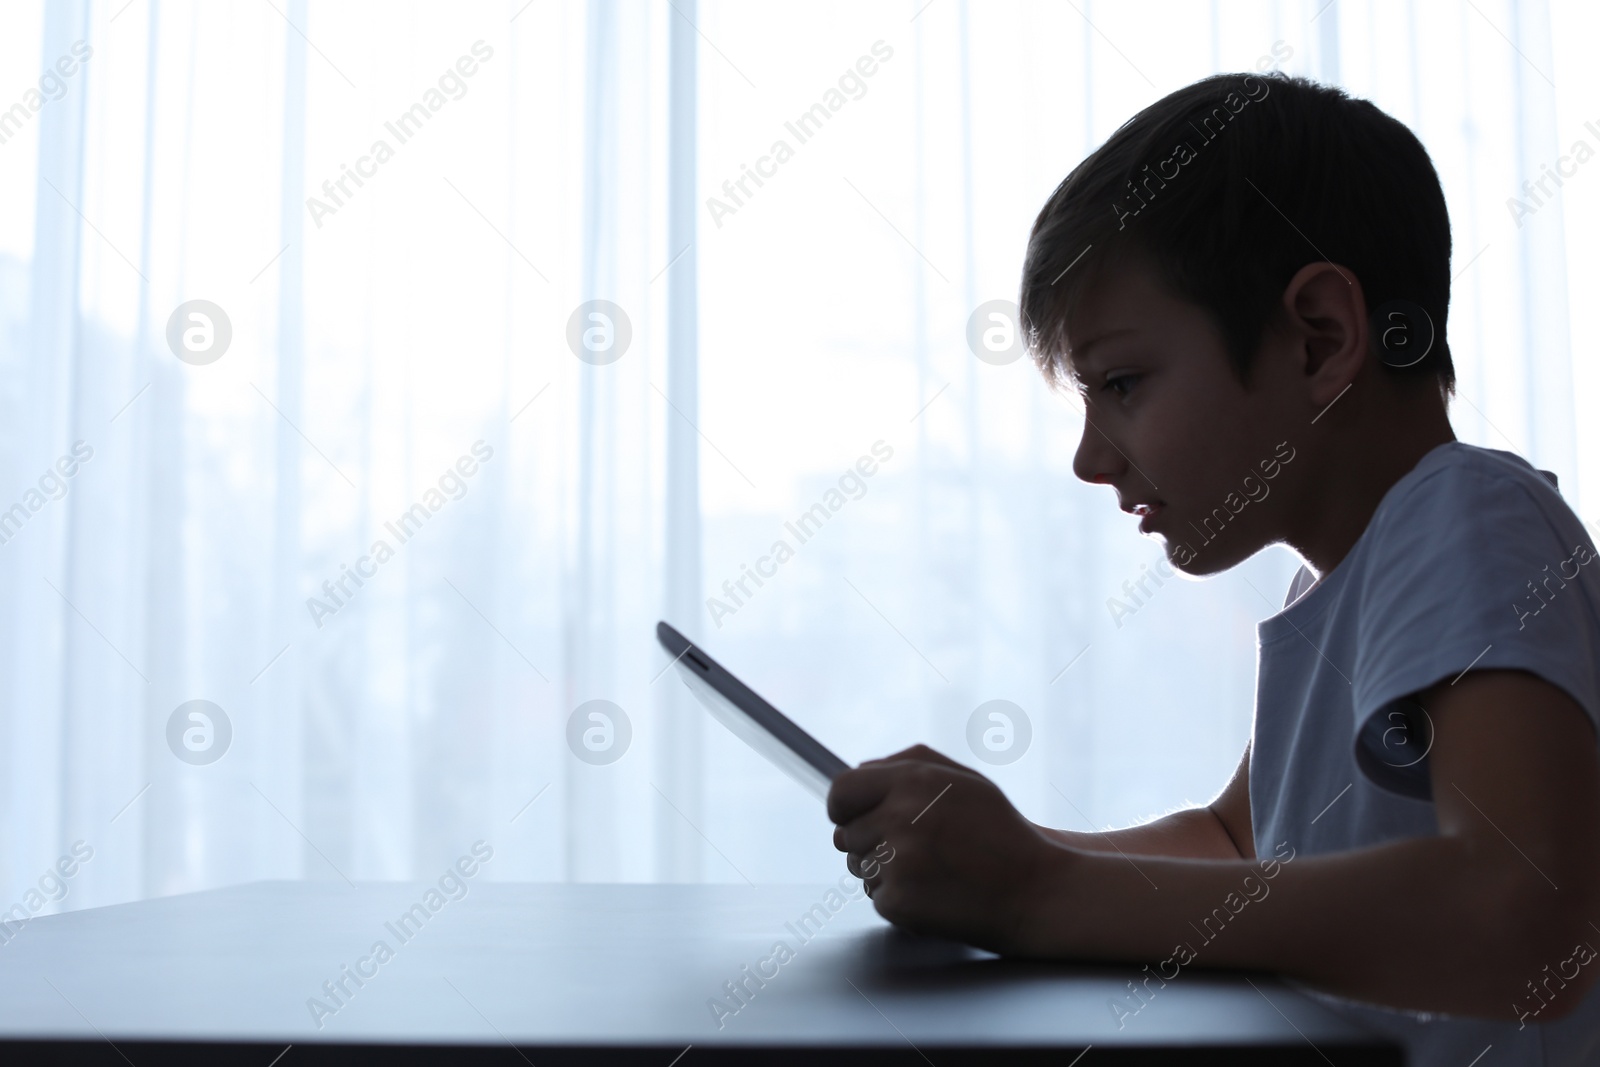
x=1544, y=940
x=1566, y=1004
x=1568, y=970
x=1559, y=987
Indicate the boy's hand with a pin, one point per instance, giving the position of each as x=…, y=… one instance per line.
x=940, y=848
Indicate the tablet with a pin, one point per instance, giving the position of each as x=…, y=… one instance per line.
x=754, y=721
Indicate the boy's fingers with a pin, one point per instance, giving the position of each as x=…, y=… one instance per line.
x=857, y=791
x=864, y=865
x=919, y=752
x=858, y=836
x=904, y=753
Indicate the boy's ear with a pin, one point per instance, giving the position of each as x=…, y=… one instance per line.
x=1327, y=316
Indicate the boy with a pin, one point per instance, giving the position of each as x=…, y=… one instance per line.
x=1249, y=281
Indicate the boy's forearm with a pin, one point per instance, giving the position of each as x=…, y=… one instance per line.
x=1420, y=923
x=1194, y=833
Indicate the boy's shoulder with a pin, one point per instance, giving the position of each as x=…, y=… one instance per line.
x=1475, y=499
x=1456, y=464
x=1474, y=559
x=1460, y=504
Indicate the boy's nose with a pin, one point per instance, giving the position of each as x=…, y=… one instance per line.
x=1096, y=461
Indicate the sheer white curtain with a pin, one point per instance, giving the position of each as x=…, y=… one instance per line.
x=399, y=210
x=414, y=361
x=974, y=567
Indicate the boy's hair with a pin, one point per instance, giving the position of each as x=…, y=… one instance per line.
x=1229, y=186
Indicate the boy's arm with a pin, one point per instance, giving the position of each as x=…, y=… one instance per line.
x=1461, y=922
x=1221, y=830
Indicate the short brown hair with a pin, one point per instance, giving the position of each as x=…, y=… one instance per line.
x=1227, y=188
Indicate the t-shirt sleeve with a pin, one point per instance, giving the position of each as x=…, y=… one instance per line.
x=1473, y=570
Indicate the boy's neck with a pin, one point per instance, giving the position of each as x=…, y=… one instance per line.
x=1359, y=464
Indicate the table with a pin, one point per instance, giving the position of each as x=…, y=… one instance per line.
x=551, y=974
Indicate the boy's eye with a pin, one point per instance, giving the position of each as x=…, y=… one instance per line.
x=1121, y=384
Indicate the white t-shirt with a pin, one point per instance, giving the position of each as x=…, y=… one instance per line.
x=1472, y=560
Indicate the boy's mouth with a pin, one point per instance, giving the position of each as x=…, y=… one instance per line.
x=1148, y=513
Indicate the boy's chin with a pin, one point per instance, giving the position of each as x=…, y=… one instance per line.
x=1210, y=558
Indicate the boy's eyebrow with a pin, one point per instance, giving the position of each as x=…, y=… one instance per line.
x=1075, y=358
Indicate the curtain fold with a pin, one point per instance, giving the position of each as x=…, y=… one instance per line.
x=510, y=374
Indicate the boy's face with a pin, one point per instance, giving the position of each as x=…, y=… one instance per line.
x=1169, y=426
